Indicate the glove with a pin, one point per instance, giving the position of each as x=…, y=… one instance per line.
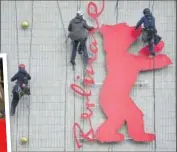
x=136, y=27
x=91, y=28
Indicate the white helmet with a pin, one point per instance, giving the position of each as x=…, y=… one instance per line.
x=79, y=13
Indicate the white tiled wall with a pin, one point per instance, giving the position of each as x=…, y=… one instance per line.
x=46, y=118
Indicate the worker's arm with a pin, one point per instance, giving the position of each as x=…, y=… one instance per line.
x=28, y=76
x=139, y=23
x=87, y=27
x=70, y=27
x=14, y=77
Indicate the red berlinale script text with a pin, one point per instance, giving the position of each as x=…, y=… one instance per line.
x=88, y=80
x=122, y=71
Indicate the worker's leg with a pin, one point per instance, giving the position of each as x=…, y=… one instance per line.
x=85, y=53
x=74, y=51
x=151, y=46
x=14, y=103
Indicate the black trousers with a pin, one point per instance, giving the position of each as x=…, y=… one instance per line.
x=15, y=102
x=151, y=38
x=82, y=49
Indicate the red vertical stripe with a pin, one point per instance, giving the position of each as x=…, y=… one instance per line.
x=3, y=143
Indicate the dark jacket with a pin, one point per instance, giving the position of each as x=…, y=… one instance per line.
x=148, y=21
x=77, y=28
x=21, y=76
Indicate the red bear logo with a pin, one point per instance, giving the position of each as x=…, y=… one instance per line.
x=122, y=71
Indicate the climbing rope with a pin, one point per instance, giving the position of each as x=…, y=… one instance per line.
x=78, y=5
x=66, y=75
x=152, y=8
x=17, y=45
x=154, y=100
x=17, y=34
x=116, y=10
x=31, y=40
x=83, y=72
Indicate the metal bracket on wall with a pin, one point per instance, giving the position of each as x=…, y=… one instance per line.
x=138, y=83
x=82, y=139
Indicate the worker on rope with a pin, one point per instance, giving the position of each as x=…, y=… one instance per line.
x=78, y=29
x=21, y=86
x=149, y=32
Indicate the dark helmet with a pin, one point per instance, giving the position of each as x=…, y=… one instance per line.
x=146, y=11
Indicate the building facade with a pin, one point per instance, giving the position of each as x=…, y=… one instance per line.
x=47, y=116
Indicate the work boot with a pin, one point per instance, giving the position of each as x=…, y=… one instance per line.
x=29, y=92
x=153, y=53
x=12, y=111
x=80, y=52
x=73, y=63
x=157, y=39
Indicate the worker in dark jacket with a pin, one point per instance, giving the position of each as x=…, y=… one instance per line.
x=148, y=20
x=78, y=34
x=22, y=77
x=149, y=31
